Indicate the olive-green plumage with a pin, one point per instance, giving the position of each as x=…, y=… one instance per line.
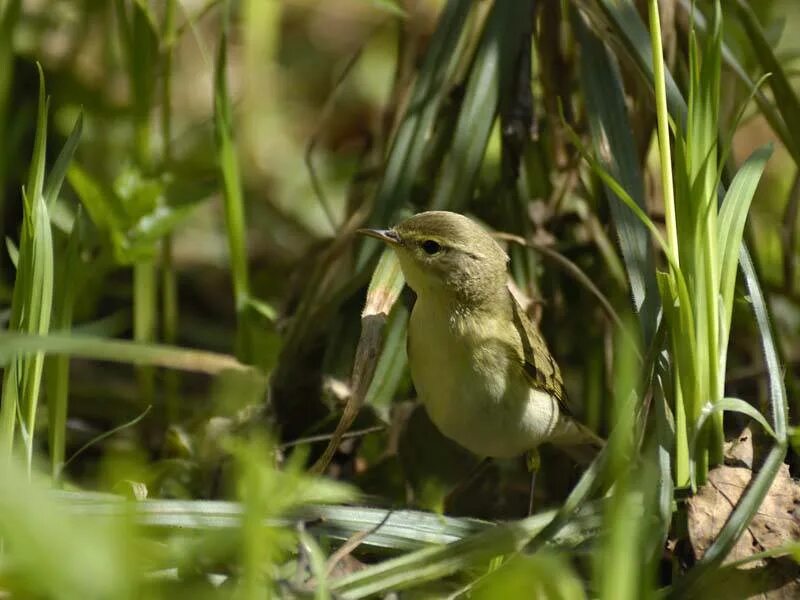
x=480, y=367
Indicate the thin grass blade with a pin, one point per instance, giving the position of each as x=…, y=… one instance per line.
x=411, y=140
x=628, y=31
x=68, y=284
x=31, y=301
x=433, y=563
x=228, y=161
x=16, y=345
x=614, y=144
x=786, y=100
x=732, y=216
x=769, y=110
x=55, y=177
x=488, y=80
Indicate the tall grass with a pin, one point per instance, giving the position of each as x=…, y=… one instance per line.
x=169, y=278
x=31, y=303
x=703, y=246
x=232, y=186
x=139, y=45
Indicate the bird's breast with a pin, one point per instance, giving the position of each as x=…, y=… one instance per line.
x=470, y=381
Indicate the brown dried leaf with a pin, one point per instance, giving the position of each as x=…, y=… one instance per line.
x=384, y=287
x=776, y=523
x=384, y=290
x=776, y=580
x=739, y=451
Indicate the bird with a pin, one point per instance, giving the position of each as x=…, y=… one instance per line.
x=479, y=365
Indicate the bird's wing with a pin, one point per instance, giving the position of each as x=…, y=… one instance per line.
x=542, y=373
x=539, y=366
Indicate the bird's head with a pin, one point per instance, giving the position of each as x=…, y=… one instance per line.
x=443, y=252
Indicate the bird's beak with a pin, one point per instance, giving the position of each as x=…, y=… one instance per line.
x=385, y=235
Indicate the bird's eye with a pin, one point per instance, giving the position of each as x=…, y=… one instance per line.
x=431, y=247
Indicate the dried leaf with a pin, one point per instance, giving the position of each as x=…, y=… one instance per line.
x=739, y=451
x=776, y=523
x=384, y=290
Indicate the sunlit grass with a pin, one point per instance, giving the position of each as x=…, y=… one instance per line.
x=31, y=304
x=703, y=241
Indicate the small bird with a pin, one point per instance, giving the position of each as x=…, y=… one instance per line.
x=480, y=366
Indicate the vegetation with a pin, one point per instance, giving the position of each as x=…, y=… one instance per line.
x=205, y=388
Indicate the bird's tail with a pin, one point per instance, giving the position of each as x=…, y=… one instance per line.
x=578, y=441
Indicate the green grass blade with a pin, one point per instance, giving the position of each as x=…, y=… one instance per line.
x=397, y=530
x=37, y=318
x=145, y=318
x=13, y=252
x=732, y=216
x=139, y=34
x=103, y=207
x=543, y=575
x=57, y=474
x=614, y=144
x=55, y=177
x=703, y=122
x=627, y=29
x=389, y=530
x=16, y=345
x=677, y=379
x=169, y=276
x=411, y=140
x=666, y=438
x=777, y=391
x=67, y=285
x=229, y=167
x=768, y=109
x=35, y=183
x=792, y=549
x=489, y=78
x=317, y=564
x=702, y=244
x=31, y=302
x=228, y=162
x=433, y=563
x=733, y=405
x=786, y=100
x=727, y=141
x=662, y=118
x=621, y=564
x=392, y=364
